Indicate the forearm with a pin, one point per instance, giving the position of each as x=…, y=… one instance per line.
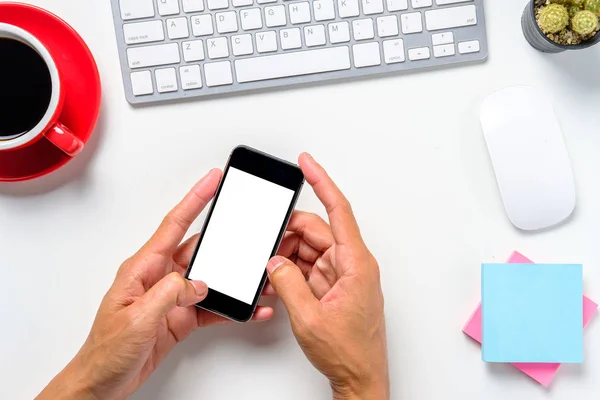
x=70, y=384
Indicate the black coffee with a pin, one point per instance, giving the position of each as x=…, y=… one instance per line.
x=25, y=88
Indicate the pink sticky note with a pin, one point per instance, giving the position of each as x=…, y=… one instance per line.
x=542, y=373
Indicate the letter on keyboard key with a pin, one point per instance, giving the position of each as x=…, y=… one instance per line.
x=217, y=48
x=366, y=55
x=251, y=19
x=193, y=51
x=290, y=38
x=314, y=35
x=299, y=13
x=143, y=32
x=348, y=8
x=226, y=22
x=202, y=25
x=372, y=6
x=217, y=4
x=193, y=5
x=190, y=77
x=393, y=51
x=266, y=42
x=339, y=32
x=275, y=16
x=150, y=56
x=178, y=28
x=218, y=74
x=454, y=17
x=135, y=9
x=141, y=83
x=292, y=64
x=166, y=81
x=397, y=5
x=168, y=7
x=241, y=45
x=411, y=23
x=324, y=10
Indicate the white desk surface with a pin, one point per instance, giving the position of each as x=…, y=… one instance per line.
x=408, y=152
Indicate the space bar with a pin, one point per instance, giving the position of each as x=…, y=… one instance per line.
x=292, y=64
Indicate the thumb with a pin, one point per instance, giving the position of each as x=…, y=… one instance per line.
x=290, y=284
x=171, y=291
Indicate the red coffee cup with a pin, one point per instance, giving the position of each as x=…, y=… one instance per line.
x=48, y=127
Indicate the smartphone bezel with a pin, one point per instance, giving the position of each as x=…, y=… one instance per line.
x=272, y=169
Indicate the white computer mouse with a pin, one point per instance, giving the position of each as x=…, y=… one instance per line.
x=529, y=157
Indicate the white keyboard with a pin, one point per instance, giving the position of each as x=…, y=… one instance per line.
x=173, y=49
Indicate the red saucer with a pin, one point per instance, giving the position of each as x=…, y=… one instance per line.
x=81, y=83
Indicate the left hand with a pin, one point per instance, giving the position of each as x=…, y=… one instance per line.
x=147, y=311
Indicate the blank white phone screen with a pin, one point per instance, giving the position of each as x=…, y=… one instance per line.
x=241, y=234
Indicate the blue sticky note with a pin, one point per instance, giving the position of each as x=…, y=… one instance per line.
x=532, y=313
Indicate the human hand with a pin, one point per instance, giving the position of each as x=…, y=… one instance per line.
x=330, y=286
x=147, y=311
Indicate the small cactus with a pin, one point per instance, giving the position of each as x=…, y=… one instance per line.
x=553, y=18
x=573, y=10
x=584, y=23
x=593, y=6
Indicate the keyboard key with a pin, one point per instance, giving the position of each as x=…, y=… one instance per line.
x=266, y=1
x=193, y=51
x=275, y=16
x=348, y=8
x=422, y=3
x=217, y=47
x=323, y=10
x=387, y=26
x=444, y=50
x=314, y=35
x=150, y=56
x=397, y=5
x=190, y=77
x=202, y=25
x=454, y=17
x=251, y=19
x=299, y=12
x=135, y=9
x=444, y=2
x=217, y=4
x=292, y=64
x=339, y=32
x=442, y=38
x=226, y=22
x=372, y=6
x=468, y=47
x=190, y=6
x=411, y=23
x=266, y=42
x=241, y=45
x=141, y=83
x=363, y=29
x=218, y=74
x=290, y=38
x=166, y=80
x=421, y=53
x=393, y=51
x=178, y=28
x=241, y=3
x=366, y=55
x=143, y=32
x=168, y=7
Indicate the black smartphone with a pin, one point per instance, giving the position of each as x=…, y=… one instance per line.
x=243, y=230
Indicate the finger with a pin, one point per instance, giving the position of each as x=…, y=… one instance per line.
x=175, y=225
x=290, y=284
x=313, y=229
x=294, y=245
x=343, y=224
x=206, y=318
x=269, y=290
x=170, y=292
x=184, y=252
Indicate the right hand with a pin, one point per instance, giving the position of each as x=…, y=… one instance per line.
x=330, y=286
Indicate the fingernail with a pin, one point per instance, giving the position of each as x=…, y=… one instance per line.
x=201, y=288
x=275, y=263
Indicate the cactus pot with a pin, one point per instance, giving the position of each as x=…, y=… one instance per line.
x=538, y=40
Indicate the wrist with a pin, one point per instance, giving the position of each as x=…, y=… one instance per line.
x=72, y=383
x=374, y=389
